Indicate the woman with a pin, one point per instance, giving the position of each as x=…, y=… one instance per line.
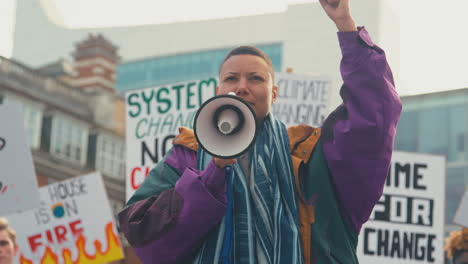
x=301, y=195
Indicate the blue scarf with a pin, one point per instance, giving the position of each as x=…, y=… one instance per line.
x=264, y=206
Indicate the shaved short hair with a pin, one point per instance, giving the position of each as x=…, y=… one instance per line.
x=250, y=50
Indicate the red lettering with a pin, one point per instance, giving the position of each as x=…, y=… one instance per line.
x=49, y=236
x=33, y=244
x=58, y=235
x=75, y=229
x=133, y=177
x=60, y=232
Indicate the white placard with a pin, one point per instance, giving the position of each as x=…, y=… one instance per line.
x=153, y=116
x=407, y=224
x=461, y=216
x=301, y=99
x=73, y=224
x=18, y=183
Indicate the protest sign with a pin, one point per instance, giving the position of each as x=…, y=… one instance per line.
x=153, y=116
x=18, y=183
x=73, y=224
x=407, y=224
x=301, y=99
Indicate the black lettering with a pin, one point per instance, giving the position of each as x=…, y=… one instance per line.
x=417, y=176
x=400, y=169
x=166, y=140
x=382, y=242
x=430, y=248
x=367, y=232
x=146, y=151
x=419, y=251
x=395, y=250
x=408, y=239
x=71, y=207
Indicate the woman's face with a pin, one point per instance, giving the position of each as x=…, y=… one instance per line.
x=250, y=77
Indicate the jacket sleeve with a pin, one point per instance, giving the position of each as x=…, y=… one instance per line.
x=175, y=207
x=359, y=134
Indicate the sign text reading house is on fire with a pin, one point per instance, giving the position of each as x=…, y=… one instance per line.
x=72, y=224
x=407, y=224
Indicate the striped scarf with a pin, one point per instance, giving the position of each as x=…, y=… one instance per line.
x=265, y=214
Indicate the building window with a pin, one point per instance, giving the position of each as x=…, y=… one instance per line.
x=457, y=133
x=69, y=140
x=182, y=67
x=32, y=119
x=110, y=156
x=407, y=136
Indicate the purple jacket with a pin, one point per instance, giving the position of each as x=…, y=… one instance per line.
x=168, y=224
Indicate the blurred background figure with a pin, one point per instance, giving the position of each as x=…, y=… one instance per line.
x=457, y=246
x=8, y=246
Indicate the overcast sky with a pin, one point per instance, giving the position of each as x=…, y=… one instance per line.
x=433, y=46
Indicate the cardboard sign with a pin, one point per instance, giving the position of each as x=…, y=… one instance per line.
x=407, y=224
x=153, y=116
x=73, y=224
x=301, y=99
x=18, y=183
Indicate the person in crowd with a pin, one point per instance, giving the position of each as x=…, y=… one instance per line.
x=456, y=246
x=300, y=195
x=8, y=246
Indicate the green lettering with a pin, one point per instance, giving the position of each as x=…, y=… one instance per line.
x=165, y=100
x=154, y=126
x=137, y=130
x=190, y=119
x=135, y=104
x=202, y=85
x=190, y=94
x=178, y=96
x=179, y=120
x=147, y=101
x=168, y=122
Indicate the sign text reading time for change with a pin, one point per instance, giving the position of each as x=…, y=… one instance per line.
x=407, y=221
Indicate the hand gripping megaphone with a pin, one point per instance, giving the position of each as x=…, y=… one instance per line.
x=225, y=126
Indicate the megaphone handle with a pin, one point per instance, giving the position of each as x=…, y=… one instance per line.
x=228, y=217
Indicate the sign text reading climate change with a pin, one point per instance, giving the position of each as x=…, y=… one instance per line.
x=301, y=99
x=153, y=116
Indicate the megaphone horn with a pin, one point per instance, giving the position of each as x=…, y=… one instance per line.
x=225, y=126
x=229, y=119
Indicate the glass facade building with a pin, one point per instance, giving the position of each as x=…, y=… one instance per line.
x=181, y=67
x=438, y=124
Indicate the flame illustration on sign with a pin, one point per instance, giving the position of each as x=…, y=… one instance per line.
x=102, y=255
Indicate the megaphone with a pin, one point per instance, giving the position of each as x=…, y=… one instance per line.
x=225, y=126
